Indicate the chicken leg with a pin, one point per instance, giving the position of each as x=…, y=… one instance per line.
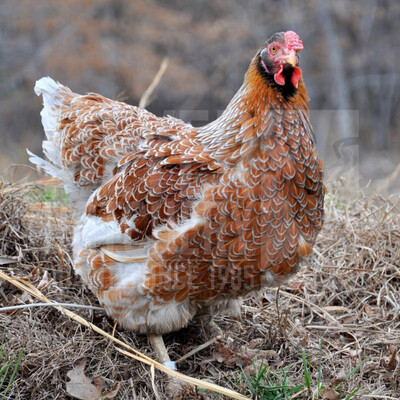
x=157, y=343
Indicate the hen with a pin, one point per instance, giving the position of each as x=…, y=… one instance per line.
x=175, y=220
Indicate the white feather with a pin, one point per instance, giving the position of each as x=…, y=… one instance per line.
x=50, y=113
x=96, y=232
x=45, y=165
x=52, y=100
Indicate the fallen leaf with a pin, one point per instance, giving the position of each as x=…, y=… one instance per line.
x=80, y=386
x=225, y=355
x=391, y=365
x=304, y=340
x=330, y=394
x=113, y=392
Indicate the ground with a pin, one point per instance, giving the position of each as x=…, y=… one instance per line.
x=331, y=332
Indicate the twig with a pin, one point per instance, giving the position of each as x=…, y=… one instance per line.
x=318, y=310
x=345, y=328
x=133, y=353
x=198, y=348
x=73, y=305
x=145, y=99
x=153, y=383
x=349, y=269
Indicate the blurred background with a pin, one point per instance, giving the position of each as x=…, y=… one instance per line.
x=350, y=63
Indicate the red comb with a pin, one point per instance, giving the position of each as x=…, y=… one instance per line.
x=293, y=41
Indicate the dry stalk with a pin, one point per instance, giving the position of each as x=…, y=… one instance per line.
x=133, y=353
x=145, y=99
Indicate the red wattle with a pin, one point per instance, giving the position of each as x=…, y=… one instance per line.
x=296, y=75
x=279, y=78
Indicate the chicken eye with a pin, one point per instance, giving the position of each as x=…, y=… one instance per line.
x=273, y=49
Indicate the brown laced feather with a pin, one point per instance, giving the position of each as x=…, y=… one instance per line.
x=248, y=186
x=267, y=219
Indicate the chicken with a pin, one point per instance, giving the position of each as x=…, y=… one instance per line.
x=176, y=221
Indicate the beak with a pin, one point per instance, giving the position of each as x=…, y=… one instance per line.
x=290, y=59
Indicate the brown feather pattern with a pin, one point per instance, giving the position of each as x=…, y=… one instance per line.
x=223, y=209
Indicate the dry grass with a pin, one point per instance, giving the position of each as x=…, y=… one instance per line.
x=343, y=308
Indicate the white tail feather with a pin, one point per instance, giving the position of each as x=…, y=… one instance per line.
x=53, y=94
x=52, y=100
x=45, y=165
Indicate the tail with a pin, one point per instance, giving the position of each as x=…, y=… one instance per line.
x=52, y=101
x=55, y=96
x=85, y=138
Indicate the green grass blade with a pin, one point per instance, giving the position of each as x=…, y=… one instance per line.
x=306, y=372
x=319, y=381
x=349, y=396
x=295, y=389
x=356, y=368
x=4, y=370
x=11, y=380
x=353, y=371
